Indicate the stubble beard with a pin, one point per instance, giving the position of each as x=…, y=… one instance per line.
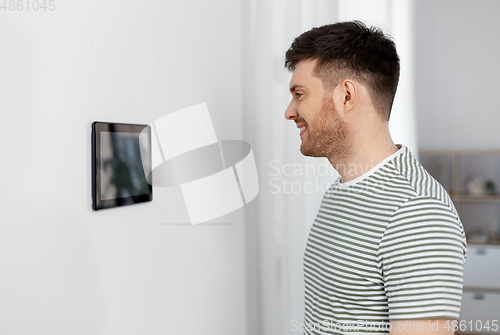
x=327, y=135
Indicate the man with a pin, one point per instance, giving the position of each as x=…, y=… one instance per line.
x=386, y=251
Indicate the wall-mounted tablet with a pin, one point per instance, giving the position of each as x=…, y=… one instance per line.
x=120, y=153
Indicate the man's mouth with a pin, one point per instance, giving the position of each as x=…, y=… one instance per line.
x=302, y=130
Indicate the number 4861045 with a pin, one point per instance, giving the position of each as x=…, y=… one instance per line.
x=28, y=5
x=472, y=326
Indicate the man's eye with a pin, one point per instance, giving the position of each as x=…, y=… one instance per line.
x=298, y=95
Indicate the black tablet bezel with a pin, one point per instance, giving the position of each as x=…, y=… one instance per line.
x=97, y=128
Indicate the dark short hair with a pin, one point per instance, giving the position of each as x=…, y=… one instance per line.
x=351, y=50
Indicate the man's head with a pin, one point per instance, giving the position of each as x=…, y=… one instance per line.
x=344, y=80
x=323, y=132
x=351, y=50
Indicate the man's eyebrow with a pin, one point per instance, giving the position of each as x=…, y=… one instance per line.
x=294, y=87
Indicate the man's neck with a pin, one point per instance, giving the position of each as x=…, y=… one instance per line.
x=362, y=159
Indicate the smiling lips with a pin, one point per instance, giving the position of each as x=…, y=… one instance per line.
x=302, y=128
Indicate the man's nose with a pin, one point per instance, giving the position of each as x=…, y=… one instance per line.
x=291, y=112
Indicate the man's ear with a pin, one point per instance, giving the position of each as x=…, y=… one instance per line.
x=348, y=92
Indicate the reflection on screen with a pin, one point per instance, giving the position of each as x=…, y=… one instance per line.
x=122, y=173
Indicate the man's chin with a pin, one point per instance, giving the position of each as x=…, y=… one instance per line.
x=306, y=151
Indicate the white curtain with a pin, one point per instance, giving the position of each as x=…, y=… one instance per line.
x=291, y=186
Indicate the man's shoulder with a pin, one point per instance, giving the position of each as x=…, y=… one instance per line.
x=399, y=180
x=426, y=188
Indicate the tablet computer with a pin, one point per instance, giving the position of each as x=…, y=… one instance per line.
x=121, y=153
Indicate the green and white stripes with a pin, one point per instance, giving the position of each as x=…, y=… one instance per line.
x=386, y=246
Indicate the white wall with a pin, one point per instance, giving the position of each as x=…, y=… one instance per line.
x=66, y=269
x=457, y=70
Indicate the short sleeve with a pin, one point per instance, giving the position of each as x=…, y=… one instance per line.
x=421, y=257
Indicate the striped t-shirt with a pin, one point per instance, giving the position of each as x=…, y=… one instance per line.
x=388, y=245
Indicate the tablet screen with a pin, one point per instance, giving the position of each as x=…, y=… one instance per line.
x=118, y=166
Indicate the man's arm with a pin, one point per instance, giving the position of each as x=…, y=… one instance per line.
x=421, y=262
x=423, y=327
